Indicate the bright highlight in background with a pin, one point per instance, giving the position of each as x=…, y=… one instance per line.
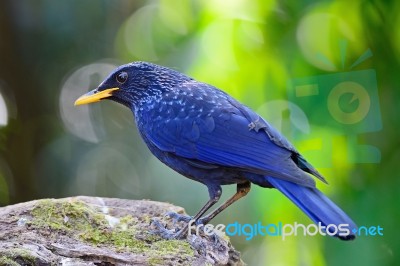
x=3, y=112
x=78, y=120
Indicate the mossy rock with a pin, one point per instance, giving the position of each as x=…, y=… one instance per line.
x=100, y=231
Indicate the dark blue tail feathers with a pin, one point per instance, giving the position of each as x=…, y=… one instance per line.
x=317, y=206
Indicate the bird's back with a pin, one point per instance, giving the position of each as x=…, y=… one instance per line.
x=196, y=121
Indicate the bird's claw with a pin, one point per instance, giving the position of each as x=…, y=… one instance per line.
x=164, y=232
x=176, y=217
x=159, y=226
x=161, y=230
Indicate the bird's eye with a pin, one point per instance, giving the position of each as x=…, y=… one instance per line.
x=122, y=77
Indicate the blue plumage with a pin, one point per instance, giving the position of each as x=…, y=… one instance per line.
x=206, y=135
x=315, y=204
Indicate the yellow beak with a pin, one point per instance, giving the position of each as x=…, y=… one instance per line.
x=94, y=96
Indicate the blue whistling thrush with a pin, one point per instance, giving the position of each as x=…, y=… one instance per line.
x=206, y=135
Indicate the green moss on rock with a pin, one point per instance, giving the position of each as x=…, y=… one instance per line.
x=5, y=261
x=65, y=215
x=22, y=255
x=86, y=223
x=172, y=246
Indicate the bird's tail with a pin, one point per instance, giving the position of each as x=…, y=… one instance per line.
x=318, y=207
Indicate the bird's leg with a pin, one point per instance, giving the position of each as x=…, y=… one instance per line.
x=242, y=190
x=215, y=194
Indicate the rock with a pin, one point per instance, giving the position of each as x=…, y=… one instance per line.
x=101, y=231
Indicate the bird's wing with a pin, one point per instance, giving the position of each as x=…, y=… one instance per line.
x=258, y=123
x=205, y=126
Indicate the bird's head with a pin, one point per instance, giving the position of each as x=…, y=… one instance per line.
x=133, y=82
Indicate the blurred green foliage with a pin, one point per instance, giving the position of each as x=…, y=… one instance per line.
x=53, y=51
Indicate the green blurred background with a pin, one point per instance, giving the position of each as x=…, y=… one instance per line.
x=281, y=58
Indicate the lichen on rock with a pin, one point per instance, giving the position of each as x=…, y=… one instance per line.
x=86, y=230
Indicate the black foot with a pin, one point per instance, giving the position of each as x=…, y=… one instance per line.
x=176, y=218
x=176, y=233
x=165, y=233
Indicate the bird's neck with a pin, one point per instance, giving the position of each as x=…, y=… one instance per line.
x=144, y=105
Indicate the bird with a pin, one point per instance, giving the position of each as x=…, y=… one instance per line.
x=206, y=135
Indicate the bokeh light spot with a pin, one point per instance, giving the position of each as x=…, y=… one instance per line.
x=137, y=33
x=78, y=120
x=328, y=38
x=280, y=113
x=155, y=29
x=3, y=112
x=316, y=34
